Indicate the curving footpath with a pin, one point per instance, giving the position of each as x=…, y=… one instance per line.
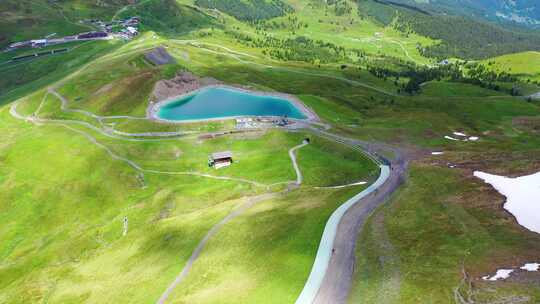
x=331, y=275
x=202, y=244
x=235, y=213
x=64, y=123
x=292, y=155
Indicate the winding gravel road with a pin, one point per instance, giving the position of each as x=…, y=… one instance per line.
x=338, y=279
x=338, y=274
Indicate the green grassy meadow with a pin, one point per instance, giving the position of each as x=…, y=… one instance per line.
x=449, y=89
x=416, y=248
x=525, y=65
x=269, y=273
x=68, y=179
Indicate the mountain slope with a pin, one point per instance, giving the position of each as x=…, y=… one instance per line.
x=459, y=36
x=168, y=17
x=251, y=10
x=522, y=12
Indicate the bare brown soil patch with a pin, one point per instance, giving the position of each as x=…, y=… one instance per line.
x=159, y=56
x=183, y=83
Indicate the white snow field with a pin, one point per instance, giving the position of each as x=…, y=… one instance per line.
x=500, y=275
x=531, y=267
x=463, y=137
x=522, y=197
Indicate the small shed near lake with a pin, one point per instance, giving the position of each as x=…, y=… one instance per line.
x=220, y=159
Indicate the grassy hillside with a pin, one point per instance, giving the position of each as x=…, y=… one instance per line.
x=524, y=13
x=524, y=65
x=449, y=89
x=429, y=243
x=248, y=10
x=168, y=17
x=164, y=223
x=69, y=173
x=22, y=20
x=462, y=37
x=84, y=257
x=20, y=78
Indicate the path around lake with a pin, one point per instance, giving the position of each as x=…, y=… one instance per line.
x=337, y=266
x=332, y=272
x=331, y=276
x=65, y=124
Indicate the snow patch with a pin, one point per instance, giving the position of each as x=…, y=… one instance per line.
x=451, y=138
x=500, y=275
x=531, y=267
x=522, y=197
x=437, y=153
x=462, y=137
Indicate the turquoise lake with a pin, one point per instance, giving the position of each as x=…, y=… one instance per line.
x=214, y=103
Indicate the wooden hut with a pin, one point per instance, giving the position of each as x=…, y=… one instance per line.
x=220, y=159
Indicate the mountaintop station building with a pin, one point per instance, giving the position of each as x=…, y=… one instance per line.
x=220, y=159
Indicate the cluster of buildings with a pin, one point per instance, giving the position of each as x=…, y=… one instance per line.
x=261, y=122
x=124, y=29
